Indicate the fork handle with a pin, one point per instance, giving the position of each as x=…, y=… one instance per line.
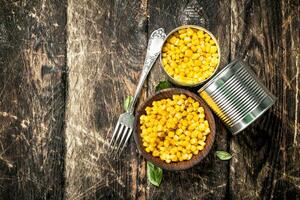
x=149, y=62
x=154, y=45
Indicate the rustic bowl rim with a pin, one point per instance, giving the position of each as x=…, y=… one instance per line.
x=196, y=27
x=182, y=165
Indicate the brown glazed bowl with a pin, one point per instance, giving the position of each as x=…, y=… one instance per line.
x=164, y=94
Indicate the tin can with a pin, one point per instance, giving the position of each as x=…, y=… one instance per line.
x=237, y=96
x=200, y=82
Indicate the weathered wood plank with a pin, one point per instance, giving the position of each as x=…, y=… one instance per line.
x=32, y=34
x=106, y=49
x=208, y=180
x=266, y=155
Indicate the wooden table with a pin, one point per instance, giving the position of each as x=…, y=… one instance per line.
x=53, y=128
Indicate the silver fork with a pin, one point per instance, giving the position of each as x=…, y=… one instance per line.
x=124, y=127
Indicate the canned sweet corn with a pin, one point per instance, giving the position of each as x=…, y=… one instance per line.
x=190, y=55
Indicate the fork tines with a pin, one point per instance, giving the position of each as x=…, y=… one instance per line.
x=119, y=139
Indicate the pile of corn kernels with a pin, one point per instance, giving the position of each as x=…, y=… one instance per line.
x=174, y=129
x=190, y=56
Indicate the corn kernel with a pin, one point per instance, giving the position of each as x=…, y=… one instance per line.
x=193, y=141
x=200, y=147
x=201, y=143
x=188, y=53
x=196, y=152
x=171, y=134
x=174, y=159
x=148, y=149
x=193, y=148
x=155, y=153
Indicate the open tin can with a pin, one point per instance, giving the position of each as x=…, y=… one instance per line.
x=172, y=79
x=237, y=96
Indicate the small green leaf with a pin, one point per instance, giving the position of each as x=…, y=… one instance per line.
x=127, y=102
x=163, y=85
x=223, y=155
x=154, y=174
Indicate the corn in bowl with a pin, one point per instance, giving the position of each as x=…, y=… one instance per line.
x=174, y=129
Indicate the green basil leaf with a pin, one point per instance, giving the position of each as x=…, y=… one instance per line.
x=223, y=155
x=127, y=102
x=163, y=85
x=154, y=174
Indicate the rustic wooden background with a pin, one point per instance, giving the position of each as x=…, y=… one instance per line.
x=53, y=128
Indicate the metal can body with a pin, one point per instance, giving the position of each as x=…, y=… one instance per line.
x=237, y=96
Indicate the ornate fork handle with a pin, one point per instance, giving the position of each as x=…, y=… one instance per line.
x=149, y=62
x=154, y=46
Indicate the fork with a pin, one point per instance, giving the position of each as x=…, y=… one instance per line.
x=124, y=127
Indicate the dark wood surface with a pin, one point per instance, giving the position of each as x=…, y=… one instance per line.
x=32, y=110
x=53, y=129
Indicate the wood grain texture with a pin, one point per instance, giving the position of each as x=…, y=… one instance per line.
x=202, y=181
x=266, y=155
x=31, y=108
x=53, y=130
x=106, y=47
